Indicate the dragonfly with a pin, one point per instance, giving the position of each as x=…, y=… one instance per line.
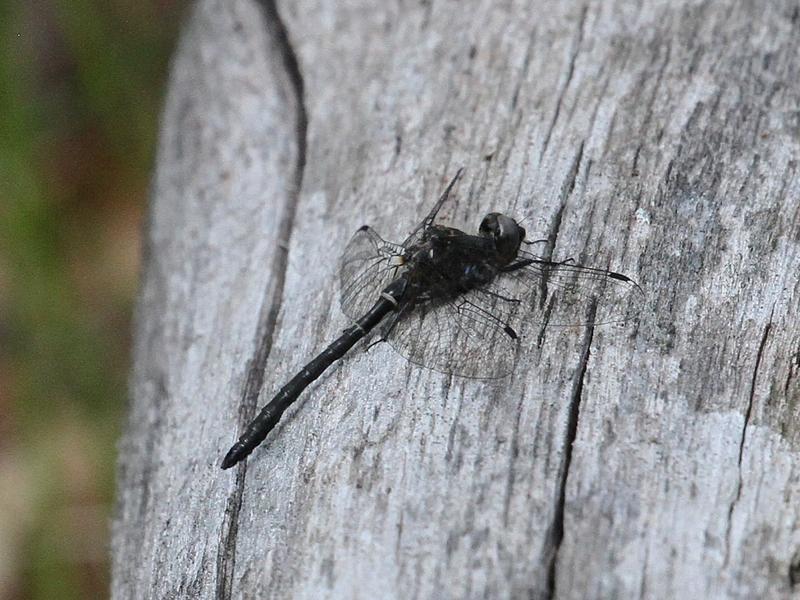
x=453, y=302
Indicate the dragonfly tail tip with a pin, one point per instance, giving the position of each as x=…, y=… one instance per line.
x=233, y=456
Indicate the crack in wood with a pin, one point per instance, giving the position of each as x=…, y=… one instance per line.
x=747, y=416
x=270, y=307
x=526, y=63
x=552, y=237
x=570, y=71
x=794, y=368
x=572, y=178
x=557, y=526
x=566, y=191
x=648, y=115
x=794, y=569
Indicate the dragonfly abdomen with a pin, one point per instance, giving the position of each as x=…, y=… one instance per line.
x=269, y=416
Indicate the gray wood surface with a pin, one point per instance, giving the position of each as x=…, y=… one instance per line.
x=658, y=459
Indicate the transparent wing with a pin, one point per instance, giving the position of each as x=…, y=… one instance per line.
x=368, y=265
x=470, y=335
x=565, y=294
x=419, y=230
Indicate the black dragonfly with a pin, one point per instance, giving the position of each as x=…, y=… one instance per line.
x=449, y=301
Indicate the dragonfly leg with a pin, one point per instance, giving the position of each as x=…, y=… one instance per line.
x=375, y=343
x=530, y=261
x=517, y=265
x=466, y=306
x=501, y=297
x=390, y=324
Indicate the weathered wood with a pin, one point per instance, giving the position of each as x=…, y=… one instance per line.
x=656, y=459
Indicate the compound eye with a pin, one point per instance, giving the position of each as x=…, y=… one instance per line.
x=490, y=225
x=509, y=237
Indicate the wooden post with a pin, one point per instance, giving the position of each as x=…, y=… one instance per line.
x=658, y=459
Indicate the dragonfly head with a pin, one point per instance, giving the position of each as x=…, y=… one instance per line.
x=505, y=232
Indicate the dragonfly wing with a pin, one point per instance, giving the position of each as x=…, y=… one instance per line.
x=419, y=230
x=568, y=294
x=470, y=335
x=368, y=265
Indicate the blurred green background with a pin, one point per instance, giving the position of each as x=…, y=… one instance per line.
x=81, y=88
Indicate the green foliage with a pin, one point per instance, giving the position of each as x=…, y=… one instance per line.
x=80, y=92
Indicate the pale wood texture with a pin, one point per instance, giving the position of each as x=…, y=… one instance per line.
x=658, y=459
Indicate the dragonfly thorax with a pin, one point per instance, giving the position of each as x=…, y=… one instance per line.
x=449, y=262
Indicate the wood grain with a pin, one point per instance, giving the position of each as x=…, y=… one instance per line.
x=656, y=459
